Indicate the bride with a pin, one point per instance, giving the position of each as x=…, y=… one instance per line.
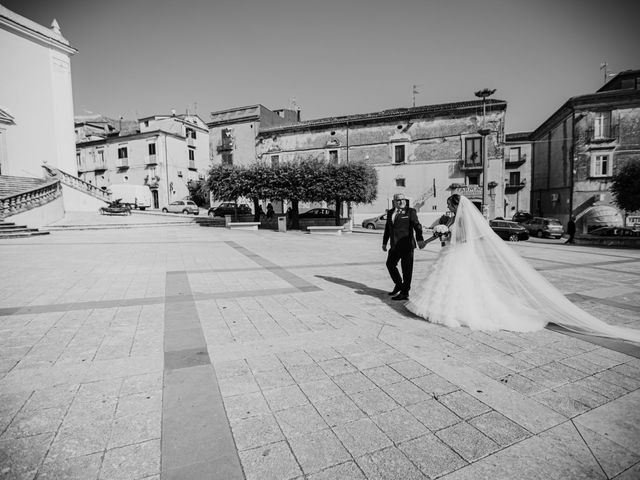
x=480, y=282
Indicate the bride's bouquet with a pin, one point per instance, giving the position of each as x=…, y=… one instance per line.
x=442, y=232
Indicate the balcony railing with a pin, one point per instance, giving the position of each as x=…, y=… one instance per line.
x=225, y=146
x=123, y=163
x=515, y=162
x=192, y=165
x=100, y=167
x=513, y=187
x=469, y=165
x=191, y=142
x=151, y=160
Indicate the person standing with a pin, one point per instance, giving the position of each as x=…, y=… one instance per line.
x=402, y=230
x=571, y=230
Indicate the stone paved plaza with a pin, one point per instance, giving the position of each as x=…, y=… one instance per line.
x=184, y=352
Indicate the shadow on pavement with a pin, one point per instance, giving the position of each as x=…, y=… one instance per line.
x=362, y=289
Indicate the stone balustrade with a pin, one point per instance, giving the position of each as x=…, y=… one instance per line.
x=78, y=184
x=24, y=201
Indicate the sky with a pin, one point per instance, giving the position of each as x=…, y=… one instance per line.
x=337, y=57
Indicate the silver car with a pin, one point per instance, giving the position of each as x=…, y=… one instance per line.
x=375, y=222
x=182, y=206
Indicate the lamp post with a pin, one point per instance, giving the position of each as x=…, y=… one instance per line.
x=484, y=131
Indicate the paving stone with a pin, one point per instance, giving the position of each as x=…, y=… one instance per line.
x=139, y=403
x=433, y=457
x=297, y=421
x=339, y=410
x=20, y=457
x=97, y=391
x=263, y=363
x=434, y=385
x=499, y=428
x=76, y=468
x=238, y=385
x=132, y=461
x=286, y=397
x=619, y=380
x=295, y=358
x=34, y=422
x=606, y=389
x=560, y=403
x=141, y=384
x=307, y=373
x=399, y=425
x=245, y=406
x=366, y=360
x=463, y=404
x=362, y=436
x=135, y=428
x=353, y=382
x=275, y=378
x=337, y=366
x=383, y=375
x=58, y=396
x=583, y=395
x=406, y=393
x=256, y=431
x=231, y=368
x=410, y=369
x=468, y=442
x=318, y=450
x=580, y=363
x=374, y=401
x=322, y=354
x=522, y=384
x=344, y=471
x=613, y=458
x=389, y=464
x=320, y=390
x=77, y=440
x=271, y=462
x=433, y=414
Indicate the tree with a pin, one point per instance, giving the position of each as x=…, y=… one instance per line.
x=354, y=182
x=625, y=187
x=257, y=184
x=226, y=183
x=199, y=192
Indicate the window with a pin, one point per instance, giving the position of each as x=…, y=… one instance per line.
x=601, y=125
x=275, y=160
x=100, y=157
x=192, y=154
x=473, y=180
x=400, y=182
x=473, y=151
x=514, y=178
x=333, y=157
x=227, y=158
x=152, y=148
x=146, y=123
x=601, y=165
x=398, y=154
x=78, y=160
x=514, y=154
x=122, y=153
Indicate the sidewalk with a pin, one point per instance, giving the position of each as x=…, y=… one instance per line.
x=179, y=352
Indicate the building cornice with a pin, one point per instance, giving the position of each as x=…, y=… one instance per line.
x=613, y=98
x=411, y=113
x=33, y=31
x=126, y=138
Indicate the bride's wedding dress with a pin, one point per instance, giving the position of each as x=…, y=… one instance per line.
x=480, y=282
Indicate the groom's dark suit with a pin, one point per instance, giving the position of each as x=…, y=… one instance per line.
x=400, y=231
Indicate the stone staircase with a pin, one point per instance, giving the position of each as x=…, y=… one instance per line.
x=13, y=185
x=11, y=230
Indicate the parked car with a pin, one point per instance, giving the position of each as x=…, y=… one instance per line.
x=182, y=206
x=507, y=230
x=375, y=222
x=521, y=216
x=229, y=208
x=318, y=213
x=615, y=232
x=544, y=227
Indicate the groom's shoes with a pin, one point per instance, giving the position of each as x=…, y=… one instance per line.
x=396, y=290
x=401, y=296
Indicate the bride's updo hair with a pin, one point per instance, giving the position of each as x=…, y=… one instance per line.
x=454, y=200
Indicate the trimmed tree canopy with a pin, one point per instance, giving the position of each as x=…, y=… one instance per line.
x=625, y=187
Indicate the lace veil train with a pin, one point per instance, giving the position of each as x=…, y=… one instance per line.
x=517, y=279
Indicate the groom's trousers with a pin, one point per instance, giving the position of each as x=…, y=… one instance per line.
x=406, y=263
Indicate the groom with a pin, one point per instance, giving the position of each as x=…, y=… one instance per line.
x=402, y=223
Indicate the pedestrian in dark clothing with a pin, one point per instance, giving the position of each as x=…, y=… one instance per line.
x=571, y=230
x=269, y=211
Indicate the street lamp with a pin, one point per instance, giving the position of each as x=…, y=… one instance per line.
x=484, y=131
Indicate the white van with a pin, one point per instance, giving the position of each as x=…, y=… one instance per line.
x=136, y=196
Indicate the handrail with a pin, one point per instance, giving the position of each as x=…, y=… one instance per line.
x=23, y=201
x=77, y=183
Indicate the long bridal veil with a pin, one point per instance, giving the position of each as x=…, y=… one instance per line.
x=514, y=278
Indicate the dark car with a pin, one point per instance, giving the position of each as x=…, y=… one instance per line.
x=229, y=208
x=507, y=230
x=544, y=227
x=521, y=216
x=615, y=232
x=318, y=213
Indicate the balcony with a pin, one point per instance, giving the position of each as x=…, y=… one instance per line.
x=123, y=164
x=514, y=187
x=602, y=135
x=191, y=142
x=192, y=165
x=225, y=146
x=470, y=165
x=515, y=162
x=100, y=167
x=151, y=160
